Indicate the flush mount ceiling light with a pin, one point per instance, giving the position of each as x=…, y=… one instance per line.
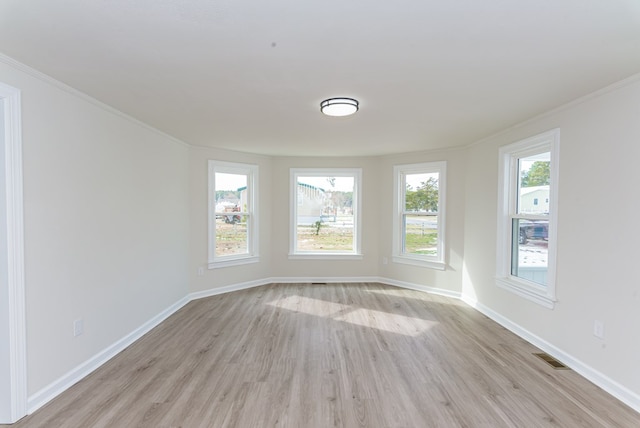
x=339, y=106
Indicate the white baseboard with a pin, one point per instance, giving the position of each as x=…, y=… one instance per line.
x=622, y=393
x=227, y=289
x=320, y=279
x=275, y=280
x=324, y=279
x=54, y=389
x=418, y=287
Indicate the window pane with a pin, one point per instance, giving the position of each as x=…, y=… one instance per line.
x=530, y=250
x=421, y=234
x=419, y=214
x=325, y=214
x=229, y=189
x=231, y=234
x=530, y=236
x=421, y=192
x=231, y=227
x=533, y=186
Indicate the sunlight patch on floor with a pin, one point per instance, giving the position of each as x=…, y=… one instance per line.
x=370, y=318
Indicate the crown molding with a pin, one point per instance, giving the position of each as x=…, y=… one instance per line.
x=562, y=108
x=87, y=98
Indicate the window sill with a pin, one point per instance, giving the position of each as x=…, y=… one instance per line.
x=531, y=292
x=236, y=261
x=325, y=256
x=431, y=264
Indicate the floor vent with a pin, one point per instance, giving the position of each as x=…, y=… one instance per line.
x=551, y=361
x=318, y=283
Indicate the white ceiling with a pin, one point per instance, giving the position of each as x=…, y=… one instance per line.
x=249, y=75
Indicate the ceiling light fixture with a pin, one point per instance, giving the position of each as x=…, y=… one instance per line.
x=339, y=106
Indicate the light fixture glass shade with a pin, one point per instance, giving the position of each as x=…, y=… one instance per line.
x=339, y=106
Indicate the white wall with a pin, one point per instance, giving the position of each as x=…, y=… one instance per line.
x=106, y=224
x=597, y=248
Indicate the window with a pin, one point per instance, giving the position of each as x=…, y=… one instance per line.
x=232, y=214
x=419, y=214
x=325, y=213
x=526, y=228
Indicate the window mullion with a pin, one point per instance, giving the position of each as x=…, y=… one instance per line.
x=526, y=249
x=319, y=197
x=233, y=233
x=419, y=233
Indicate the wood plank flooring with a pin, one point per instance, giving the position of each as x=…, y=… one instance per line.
x=337, y=355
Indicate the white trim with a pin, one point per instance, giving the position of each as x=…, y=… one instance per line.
x=356, y=173
x=324, y=279
x=321, y=279
x=252, y=173
x=508, y=175
x=420, y=287
x=620, y=392
x=522, y=289
x=227, y=289
x=325, y=256
x=15, y=250
x=57, y=387
x=398, y=256
x=408, y=260
x=237, y=261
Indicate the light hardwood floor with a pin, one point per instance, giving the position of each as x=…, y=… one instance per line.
x=337, y=355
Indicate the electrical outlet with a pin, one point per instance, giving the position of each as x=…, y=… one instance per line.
x=78, y=327
x=385, y=260
x=200, y=271
x=598, y=329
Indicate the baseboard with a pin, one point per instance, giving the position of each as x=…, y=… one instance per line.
x=328, y=280
x=227, y=289
x=279, y=280
x=622, y=393
x=361, y=279
x=321, y=279
x=51, y=391
x=418, y=287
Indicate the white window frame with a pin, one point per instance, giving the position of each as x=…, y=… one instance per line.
x=252, y=256
x=399, y=188
x=507, y=204
x=356, y=173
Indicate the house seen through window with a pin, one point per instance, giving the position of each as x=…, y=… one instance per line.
x=530, y=259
